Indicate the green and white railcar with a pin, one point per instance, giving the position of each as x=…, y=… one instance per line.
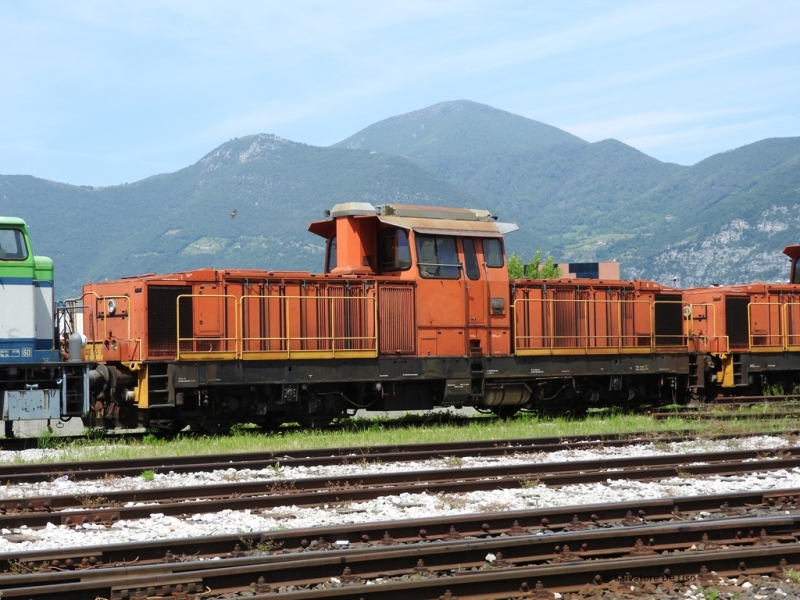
x=26, y=298
x=34, y=382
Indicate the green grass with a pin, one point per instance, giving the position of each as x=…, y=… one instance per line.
x=377, y=433
x=792, y=575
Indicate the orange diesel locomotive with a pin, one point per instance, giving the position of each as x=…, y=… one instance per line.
x=414, y=310
x=745, y=338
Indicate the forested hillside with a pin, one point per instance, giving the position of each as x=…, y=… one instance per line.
x=725, y=219
x=182, y=220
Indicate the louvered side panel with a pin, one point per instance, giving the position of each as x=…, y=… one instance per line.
x=397, y=326
x=567, y=319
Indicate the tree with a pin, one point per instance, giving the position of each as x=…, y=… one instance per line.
x=534, y=269
x=516, y=268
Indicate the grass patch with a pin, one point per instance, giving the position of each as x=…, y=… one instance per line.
x=365, y=433
x=792, y=575
x=48, y=440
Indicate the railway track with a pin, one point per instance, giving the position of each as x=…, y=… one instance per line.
x=108, y=507
x=12, y=473
x=664, y=543
x=731, y=402
x=407, y=422
x=717, y=415
x=217, y=563
x=754, y=400
x=726, y=408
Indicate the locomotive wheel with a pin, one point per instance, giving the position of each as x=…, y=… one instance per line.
x=270, y=426
x=212, y=427
x=169, y=426
x=505, y=412
x=315, y=422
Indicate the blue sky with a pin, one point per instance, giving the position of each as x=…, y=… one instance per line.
x=103, y=93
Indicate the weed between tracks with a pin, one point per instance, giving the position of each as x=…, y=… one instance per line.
x=792, y=575
x=453, y=501
x=89, y=501
x=262, y=547
x=363, y=433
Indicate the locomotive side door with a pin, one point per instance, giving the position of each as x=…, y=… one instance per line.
x=498, y=294
x=476, y=293
x=440, y=296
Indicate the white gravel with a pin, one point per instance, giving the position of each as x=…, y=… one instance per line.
x=404, y=506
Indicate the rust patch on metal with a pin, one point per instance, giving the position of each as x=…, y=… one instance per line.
x=564, y=554
x=516, y=529
x=180, y=591
x=640, y=549
x=261, y=586
x=90, y=517
x=348, y=578
x=576, y=524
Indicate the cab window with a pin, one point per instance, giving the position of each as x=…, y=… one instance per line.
x=437, y=257
x=394, y=253
x=471, y=259
x=493, y=252
x=330, y=260
x=12, y=245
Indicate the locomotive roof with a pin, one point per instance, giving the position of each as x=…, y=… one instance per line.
x=423, y=219
x=12, y=221
x=792, y=251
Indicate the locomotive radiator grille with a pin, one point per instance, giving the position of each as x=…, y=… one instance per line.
x=605, y=322
x=396, y=319
x=324, y=321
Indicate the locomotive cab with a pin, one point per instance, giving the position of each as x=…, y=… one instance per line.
x=453, y=257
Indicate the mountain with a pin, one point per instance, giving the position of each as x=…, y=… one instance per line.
x=607, y=201
x=725, y=219
x=457, y=128
x=736, y=212
x=182, y=220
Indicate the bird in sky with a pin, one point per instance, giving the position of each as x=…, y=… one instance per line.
x=233, y=213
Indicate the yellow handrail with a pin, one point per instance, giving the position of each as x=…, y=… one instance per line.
x=285, y=341
x=198, y=354
x=611, y=342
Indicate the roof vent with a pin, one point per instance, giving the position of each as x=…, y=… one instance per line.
x=353, y=209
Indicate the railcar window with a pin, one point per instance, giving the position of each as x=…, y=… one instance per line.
x=437, y=257
x=393, y=251
x=471, y=259
x=12, y=245
x=331, y=258
x=492, y=252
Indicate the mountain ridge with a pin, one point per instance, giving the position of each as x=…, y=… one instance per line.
x=724, y=219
